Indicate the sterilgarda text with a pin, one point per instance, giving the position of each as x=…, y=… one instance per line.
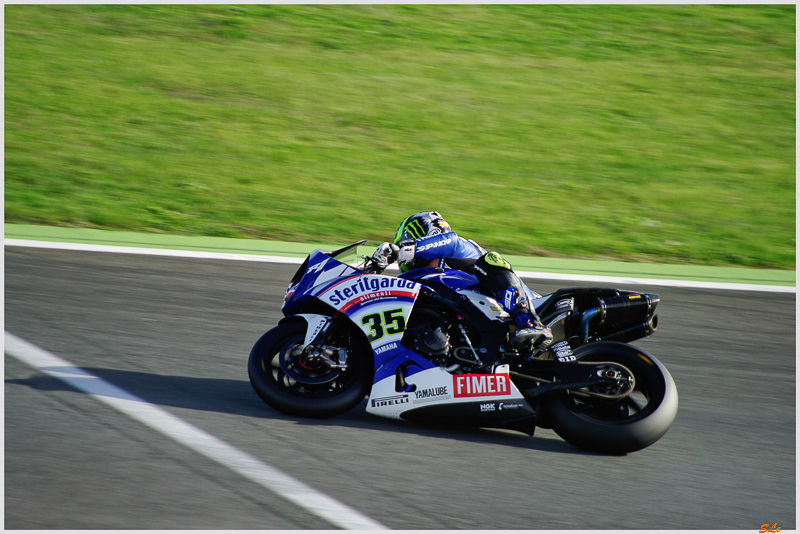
x=365, y=285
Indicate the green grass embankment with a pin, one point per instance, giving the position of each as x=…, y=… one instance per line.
x=637, y=133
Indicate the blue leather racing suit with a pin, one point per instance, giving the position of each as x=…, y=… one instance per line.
x=458, y=253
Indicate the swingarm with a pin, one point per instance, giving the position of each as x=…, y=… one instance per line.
x=607, y=380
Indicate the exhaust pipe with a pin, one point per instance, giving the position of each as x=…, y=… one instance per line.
x=626, y=308
x=635, y=332
x=629, y=308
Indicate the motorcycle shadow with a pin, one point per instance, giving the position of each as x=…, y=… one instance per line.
x=236, y=397
x=543, y=440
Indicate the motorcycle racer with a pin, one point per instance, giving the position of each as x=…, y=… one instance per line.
x=426, y=240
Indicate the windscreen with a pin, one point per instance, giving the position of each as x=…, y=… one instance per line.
x=336, y=253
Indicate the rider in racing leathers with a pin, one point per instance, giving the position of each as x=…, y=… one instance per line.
x=426, y=240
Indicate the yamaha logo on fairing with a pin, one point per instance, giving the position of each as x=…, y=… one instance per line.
x=317, y=267
x=390, y=346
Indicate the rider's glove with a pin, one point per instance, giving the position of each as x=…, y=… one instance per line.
x=408, y=249
x=385, y=254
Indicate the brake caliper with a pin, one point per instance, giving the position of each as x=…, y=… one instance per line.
x=328, y=356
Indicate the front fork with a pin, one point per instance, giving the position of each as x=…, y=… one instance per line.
x=315, y=353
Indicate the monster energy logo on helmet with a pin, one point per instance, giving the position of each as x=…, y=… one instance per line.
x=420, y=225
x=417, y=226
x=413, y=228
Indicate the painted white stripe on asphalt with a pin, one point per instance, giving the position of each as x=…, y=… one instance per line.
x=280, y=259
x=86, y=247
x=246, y=465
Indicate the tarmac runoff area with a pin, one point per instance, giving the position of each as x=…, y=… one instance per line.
x=581, y=271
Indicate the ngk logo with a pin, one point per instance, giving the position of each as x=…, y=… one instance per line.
x=481, y=385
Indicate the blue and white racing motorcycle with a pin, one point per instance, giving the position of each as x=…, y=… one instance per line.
x=429, y=346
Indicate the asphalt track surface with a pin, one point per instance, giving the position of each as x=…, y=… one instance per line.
x=177, y=333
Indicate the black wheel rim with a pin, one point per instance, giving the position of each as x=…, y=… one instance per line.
x=641, y=402
x=284, y=366
x=294, y=365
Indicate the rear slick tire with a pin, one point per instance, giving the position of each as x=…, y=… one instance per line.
x=321, y=396
x=622, y=426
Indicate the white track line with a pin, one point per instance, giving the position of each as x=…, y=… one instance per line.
x=280, y=259
x=85, y=247
x=246, y=465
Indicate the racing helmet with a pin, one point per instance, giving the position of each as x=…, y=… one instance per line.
x=417, y=226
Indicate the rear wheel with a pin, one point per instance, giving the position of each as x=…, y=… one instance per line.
x=595, y=420
x=287, y=378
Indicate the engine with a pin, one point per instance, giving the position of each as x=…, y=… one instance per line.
x=429, y=336
x=441, y=337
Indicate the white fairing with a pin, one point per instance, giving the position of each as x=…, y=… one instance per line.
x=489, y=306
x=437, y=386
x=379, y=305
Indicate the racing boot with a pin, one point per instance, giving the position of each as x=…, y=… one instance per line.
x=529, y=329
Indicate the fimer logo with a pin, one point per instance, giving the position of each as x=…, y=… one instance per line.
x=481, y=385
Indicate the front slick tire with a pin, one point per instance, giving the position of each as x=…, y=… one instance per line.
x=280, y=378
x=616, y=427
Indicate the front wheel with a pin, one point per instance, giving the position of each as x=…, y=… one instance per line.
x=285, y=377
x=616, y=426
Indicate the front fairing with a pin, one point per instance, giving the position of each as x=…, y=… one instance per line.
x=320, y=271
x=379, y=305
